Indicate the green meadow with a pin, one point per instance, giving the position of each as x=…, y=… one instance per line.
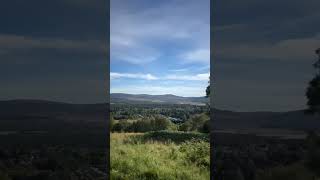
x=148, y=156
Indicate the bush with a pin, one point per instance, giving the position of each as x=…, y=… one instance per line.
x=197, y=152
x=177, y=137
x=122, y=125
x=313, y=152
x=156, y=123
x=293, y=172
x=198, y=122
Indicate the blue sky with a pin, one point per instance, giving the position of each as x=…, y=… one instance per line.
x=262, y=56
x=160, y=47
x=263, y=53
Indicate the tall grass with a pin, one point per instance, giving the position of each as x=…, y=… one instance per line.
x=133, y=156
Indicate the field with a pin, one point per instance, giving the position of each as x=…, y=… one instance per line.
x=144, y=156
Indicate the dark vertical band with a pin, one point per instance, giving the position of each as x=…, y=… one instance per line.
x=108, y=89
x=211, y=95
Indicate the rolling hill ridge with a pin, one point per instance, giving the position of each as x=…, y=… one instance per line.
x=164, y=99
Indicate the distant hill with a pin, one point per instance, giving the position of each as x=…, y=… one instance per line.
x=164, y=99
x=39, y=115
x=47, y=115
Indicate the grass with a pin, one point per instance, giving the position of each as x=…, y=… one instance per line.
x=295, y=171
x=137, y=156
x=176, y=136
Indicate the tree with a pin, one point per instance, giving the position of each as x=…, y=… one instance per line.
x=313, y=141
x=112, y=122
x=313, y=91
x=161, y=123
x=206, y=127
x=208, y=96
x=208, y=89
x=198, y=122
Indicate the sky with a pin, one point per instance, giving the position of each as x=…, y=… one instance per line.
x=54, y=50
x=263, y=53
x=160, y=47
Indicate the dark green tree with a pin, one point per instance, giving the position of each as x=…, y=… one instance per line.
x=208, y=89
x=206, y=127
x=198, y=122
x=313, y=140
x=313, y=90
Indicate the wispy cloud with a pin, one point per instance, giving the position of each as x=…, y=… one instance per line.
x=196, y=77
x=164, y=41
x=289, y=49
x=265, y=62
x=180, y=70
x=114, y=75
x=14, y=43
x=135, y=36
x=198, y=55
x=192, y=69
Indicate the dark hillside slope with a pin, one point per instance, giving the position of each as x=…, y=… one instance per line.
x=46, y=115
x=296, y=120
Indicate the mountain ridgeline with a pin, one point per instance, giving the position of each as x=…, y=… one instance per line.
x=151, y=99
x=37, y=114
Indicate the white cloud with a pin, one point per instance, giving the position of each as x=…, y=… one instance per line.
x=136, y=33
x=118, y=40
x=197, y=77
x=291, y=49
x=114, y=75
x=129, y=52
x=179, y=70
x=194, y=69
x=199, y=55
x=13, y=43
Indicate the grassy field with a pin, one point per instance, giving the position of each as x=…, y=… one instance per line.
x=137, y=156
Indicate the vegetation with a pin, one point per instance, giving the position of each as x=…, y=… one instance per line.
x=313, y=91
x=198, y=122
x=51, y=155
x=52, y=162
x=154, y=123
x=177, y=137
x=144, y=118
x=146, y=156
x=159, y=141
x=141, y=111
x=156, y=141
x=248, y=157
x=291, y=172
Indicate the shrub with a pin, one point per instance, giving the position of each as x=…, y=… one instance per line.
x=122, y=125
x=156, y=123
x=177, y=137
x=197, y=152
x=198, y=122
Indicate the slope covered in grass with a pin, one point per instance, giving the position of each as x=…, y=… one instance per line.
x=135, y=157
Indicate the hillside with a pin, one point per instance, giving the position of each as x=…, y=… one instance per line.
x=164, y=99
x=295, y=120
x=28, y=115
x=37, y=114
